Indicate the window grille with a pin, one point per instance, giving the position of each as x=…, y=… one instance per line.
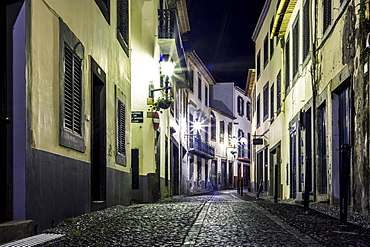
x=240, y=106
x=278, y=91
x=272, y=40
x=213, y=129
x=248, y=110
x=272, y=101
x=295, y=47
x=258, y=62
x=306, y=30
x=230, y=132
x=287, y=65
x=222, y=131
x=121, y=128
x=326, y=14
x=266, y=50
x=123, y=24
x=72, y=91
x=265, y=101
x=199, y=87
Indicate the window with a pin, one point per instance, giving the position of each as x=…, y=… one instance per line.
x=249, y=110
x=265, y=101
x=254, y=100
x=278, y=92
x=206, y=95
x=266, y=51
x=258, y=62
x=271, y=40
x=295, y=47
x=191, y=73
x=71, y=133
x=104, y=6
x=199, y=86
x=206, y=129
x=230, y=132
x=258, y=111
x=222, y=131
x=241, y=148
x=249, y=146
x=123, y=24
x=326, y=14
x=306, y=30
x=240, y=108
x=287, y=65
x=213, y=129
x=121, y=127
x=272, y=101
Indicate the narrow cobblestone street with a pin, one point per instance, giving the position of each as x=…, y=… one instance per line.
x=221, y=219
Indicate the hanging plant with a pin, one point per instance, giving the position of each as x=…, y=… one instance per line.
x=163, y=102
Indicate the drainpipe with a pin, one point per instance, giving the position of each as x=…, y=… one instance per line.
x=313, y=20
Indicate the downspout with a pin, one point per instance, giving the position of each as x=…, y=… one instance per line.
x=313, y=20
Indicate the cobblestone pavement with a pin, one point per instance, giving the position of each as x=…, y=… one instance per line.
x=221, y=219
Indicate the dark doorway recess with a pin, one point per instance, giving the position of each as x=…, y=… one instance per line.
x=176, y=170
x=98, y=137
x=135, y=169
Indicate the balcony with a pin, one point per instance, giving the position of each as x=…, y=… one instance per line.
x=199, y=147
x=166, y=23
x=243, y=154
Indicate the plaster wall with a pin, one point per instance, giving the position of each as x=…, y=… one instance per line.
x=94, y=33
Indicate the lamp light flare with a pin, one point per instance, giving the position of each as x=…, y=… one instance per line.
x=167, y=68
x=197, y=125
x=234, y=141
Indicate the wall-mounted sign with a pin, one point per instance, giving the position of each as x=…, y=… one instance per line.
x=137, y=117
x=257, y=141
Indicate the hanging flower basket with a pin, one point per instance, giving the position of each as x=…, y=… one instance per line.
x=162, y=103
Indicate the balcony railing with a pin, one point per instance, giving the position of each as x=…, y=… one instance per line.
x=166, y=23
x=197, y=145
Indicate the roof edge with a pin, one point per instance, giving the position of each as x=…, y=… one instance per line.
x=261, y=19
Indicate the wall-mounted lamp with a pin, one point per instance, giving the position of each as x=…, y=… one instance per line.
x=167, y=68
x=238, y=141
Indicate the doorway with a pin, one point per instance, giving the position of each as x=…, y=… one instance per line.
x=98, y=137
x=12, y=57
x=341, y=136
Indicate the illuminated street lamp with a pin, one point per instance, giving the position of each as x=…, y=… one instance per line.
x=167, y=68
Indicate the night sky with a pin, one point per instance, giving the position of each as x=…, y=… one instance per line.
x=221, y=34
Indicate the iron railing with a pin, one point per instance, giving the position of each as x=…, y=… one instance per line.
x=166, y=23
x=199, y=145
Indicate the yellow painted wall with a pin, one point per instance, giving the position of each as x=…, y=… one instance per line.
x=99, y=40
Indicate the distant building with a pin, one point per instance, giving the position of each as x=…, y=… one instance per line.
x=156, y=148
x=199, y=148
x=228, y=100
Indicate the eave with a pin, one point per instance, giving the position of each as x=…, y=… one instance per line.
x=282, y=18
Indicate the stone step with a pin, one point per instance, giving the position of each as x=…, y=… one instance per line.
x=17, y=229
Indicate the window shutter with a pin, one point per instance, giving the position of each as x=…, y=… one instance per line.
x=72, y=91
x=326, y=14
x=295, y=47
x=123, y=23
x=306, y=29
x=121, y=127
x=121, y=123
x=71, y=128
x=287, y=64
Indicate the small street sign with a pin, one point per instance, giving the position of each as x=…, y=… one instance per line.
x=137, y=117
